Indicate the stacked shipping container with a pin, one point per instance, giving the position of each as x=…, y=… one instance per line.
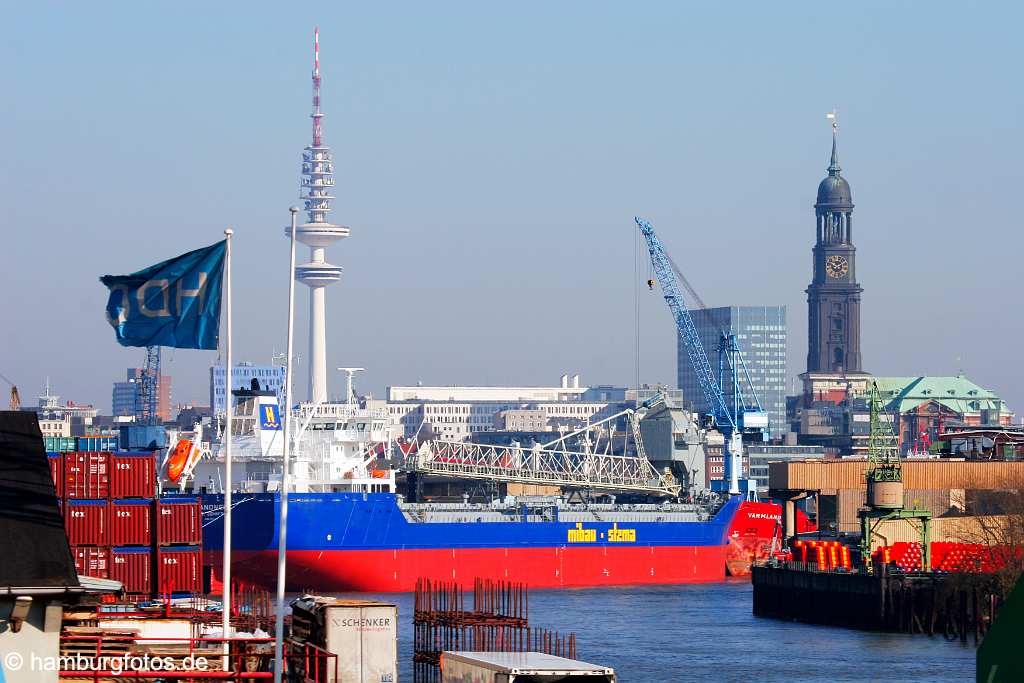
x=119, y=530
x=179, y=537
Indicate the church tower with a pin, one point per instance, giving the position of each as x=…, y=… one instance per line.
x=833, y=297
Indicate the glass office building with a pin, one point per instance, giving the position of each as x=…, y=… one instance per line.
x=761, y=335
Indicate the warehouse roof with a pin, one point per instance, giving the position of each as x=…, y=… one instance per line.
x=957, y=393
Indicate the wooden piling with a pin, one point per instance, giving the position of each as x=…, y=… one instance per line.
x=959, y=606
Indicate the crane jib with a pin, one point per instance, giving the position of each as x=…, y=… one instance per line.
x=734, y=415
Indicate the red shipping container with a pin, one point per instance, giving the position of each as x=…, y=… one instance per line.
x=57, y=472
x=179, y=570
x=93, y=562
x=179, y=521
x=134, y=568
x=131, y=522
x=86, y=522
x=132, y=475
x=87, y=474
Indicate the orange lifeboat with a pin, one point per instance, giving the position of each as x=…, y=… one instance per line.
x=179, y=459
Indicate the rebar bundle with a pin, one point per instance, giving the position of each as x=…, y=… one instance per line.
x=496, y=621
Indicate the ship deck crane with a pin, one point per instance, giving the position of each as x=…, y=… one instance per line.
x=734, y=415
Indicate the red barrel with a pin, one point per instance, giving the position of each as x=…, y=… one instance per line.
x=57, y=472
x=93, y=562
x=86, y=522
x=133, y=567
x=132, y=475
x=179, y=521
x=131, y=522
x=819, y=557
x=87, y=474
x=179, y=570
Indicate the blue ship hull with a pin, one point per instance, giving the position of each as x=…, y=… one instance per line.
x=363, y=542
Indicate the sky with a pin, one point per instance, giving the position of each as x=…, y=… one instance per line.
x=490, y=158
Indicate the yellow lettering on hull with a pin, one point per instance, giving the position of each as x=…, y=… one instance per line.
x=615, y=535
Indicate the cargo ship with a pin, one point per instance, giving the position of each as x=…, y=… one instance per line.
x=375, y=542
x=350, y=530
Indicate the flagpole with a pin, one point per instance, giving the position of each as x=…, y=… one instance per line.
x=282, y=530
x=228, y=415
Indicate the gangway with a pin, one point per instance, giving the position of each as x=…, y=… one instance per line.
x=591, y=465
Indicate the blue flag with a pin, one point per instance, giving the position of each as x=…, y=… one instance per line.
x=174, y=303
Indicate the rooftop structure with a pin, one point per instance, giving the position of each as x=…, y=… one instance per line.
x=959, y=394
x=62, y=419
x=925, y=407
x=456, y=413
x=318, y=234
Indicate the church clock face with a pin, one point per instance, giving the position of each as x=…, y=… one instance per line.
x=836, y=266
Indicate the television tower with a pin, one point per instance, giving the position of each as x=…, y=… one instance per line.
x=318, y=234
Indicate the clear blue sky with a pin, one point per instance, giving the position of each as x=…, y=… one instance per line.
x=490, y=158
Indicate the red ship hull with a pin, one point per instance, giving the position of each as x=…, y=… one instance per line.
x=751, y=534
x=381, y=571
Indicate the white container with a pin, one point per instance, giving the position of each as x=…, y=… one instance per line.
x=363, y=633
x=510, y=667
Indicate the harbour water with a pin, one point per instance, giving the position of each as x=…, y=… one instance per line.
x=667, y=634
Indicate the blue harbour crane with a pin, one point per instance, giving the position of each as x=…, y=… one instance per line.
x=732, y=402
x=146, y=405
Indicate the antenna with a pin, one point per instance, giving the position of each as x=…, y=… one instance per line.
x=316, y=115
x=349, y=372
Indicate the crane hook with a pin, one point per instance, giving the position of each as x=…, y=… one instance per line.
x=650, y=284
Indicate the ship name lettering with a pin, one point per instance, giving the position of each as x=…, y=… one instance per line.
x=617, y=535
x=581, y=535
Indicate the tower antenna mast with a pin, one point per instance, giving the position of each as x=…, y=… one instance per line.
x=316, y=115
x=317, y=233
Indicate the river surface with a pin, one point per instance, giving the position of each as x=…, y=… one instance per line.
x=665, y=634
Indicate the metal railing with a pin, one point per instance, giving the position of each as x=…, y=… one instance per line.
x=124, y=657
x=552, y=463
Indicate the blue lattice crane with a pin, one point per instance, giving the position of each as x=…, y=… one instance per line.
x=731, y=399
x=147, y=400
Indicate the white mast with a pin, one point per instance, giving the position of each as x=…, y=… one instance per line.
x=349, y=372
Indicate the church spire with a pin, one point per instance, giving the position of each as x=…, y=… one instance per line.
x=833, y=166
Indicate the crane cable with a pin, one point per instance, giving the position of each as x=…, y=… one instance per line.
x=636, y=309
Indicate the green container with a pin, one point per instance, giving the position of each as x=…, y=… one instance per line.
x=59, y=444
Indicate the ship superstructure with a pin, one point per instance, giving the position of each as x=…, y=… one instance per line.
x=334, y=449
